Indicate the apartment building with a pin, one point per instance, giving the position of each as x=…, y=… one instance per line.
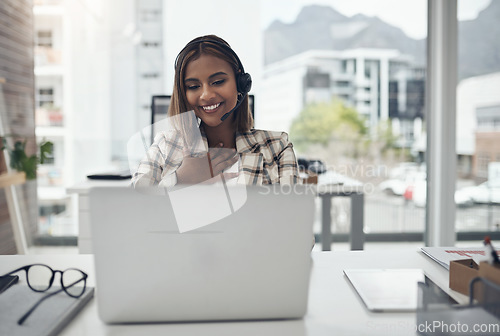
x=373, y=81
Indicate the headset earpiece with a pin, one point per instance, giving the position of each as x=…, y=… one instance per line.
x=244, y=83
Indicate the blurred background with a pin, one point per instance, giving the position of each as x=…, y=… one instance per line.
x=345, y=79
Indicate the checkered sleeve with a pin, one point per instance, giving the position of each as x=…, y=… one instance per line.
x=161, y=161
x=287, y=162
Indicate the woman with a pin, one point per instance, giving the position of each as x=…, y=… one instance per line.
x=210, y=80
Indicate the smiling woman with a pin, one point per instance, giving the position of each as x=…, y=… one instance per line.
x=212, y=94
x=212, y=85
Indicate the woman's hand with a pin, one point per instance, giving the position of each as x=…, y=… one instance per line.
x=194, y=170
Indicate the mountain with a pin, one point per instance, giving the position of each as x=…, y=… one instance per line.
x=478, y=43
x=322, y=27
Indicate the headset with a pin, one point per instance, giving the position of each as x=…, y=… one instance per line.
x=243, y=79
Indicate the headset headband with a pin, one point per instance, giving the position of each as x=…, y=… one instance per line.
x=243, y=79
x=223, y=45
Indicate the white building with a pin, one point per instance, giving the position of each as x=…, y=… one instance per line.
x=360, y=77
x=477, y=127
x=478, y=123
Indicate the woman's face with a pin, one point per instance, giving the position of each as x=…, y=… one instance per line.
x=210, y=88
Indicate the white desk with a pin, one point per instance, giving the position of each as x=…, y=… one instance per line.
x=334, y=307
x=330, y=185
x=81, y=191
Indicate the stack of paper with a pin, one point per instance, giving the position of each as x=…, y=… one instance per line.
x=443, y=255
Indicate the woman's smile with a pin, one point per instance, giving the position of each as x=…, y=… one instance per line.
x=211, y=108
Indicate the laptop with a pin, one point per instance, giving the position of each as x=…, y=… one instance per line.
x=249, y=260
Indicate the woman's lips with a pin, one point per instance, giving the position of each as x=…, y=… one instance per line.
x=211, y=108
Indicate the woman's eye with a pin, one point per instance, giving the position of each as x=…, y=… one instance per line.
x=192, y=87
x=219, y=82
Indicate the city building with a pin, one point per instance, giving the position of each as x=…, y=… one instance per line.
x=380, y=84
x=478, y=123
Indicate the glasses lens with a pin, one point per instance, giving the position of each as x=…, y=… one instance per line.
x=39, y=277
x=73, y=281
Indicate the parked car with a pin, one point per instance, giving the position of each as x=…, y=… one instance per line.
x=394, y=186
x=402, y=186
x=313, y=166
x=483, y=194
x=419, y=195
x=400, y=178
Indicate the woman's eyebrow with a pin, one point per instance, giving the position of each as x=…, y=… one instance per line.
x=210, y=77
x=217, y=74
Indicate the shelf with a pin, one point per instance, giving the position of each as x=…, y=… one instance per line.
x=50, y=131
x=8, y=179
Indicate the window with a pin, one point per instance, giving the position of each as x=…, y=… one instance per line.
x=370, y=77
x=488, y=118
x=44, y=38
x=151, y=75
x=45, y=97
x=151, y=44
x=342, y=84
x=483, y=159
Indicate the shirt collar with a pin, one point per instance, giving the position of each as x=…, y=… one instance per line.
x=245, y=142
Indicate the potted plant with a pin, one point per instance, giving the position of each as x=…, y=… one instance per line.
x=20, y=161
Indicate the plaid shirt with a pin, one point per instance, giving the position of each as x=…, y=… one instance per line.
x=266, y=157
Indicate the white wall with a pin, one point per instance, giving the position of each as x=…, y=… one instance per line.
x=122, y=39
x=236, y=21
x=283, y=96
x=86, y=88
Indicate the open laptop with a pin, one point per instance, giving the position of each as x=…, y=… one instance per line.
x=250, y=263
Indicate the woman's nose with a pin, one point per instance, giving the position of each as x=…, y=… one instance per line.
x=207, y=92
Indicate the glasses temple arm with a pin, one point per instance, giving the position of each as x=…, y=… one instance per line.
x=14, y=271
x=32, y=309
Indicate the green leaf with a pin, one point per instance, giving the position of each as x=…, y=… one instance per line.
x=21, y=162
x=46, y=149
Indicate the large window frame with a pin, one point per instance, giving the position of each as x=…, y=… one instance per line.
x=442, y=51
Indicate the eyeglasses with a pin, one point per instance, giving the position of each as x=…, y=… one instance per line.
x=40, y=278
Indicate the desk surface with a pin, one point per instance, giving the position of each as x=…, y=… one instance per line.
x=334, y=307
x=85, y=186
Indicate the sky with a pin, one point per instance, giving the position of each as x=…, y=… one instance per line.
x=409, y=15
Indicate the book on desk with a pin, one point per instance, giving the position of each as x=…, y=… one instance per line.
x=49, y=318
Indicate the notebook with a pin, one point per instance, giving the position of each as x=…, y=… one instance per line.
x=386, y=290
x=48, y=319
x=250, y=260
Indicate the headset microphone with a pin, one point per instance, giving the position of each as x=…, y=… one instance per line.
x=238, y=103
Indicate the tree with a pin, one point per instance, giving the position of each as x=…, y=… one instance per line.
x=318, y=123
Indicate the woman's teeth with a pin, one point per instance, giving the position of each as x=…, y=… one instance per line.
x=211, y=107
